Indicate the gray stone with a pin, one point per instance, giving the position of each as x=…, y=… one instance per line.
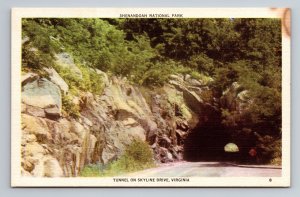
x=195, y=82
x=186, y=77
x=193, y=101
x=28, y=164
x=151, y=128
x=56, y=79
x=27, y=138
x=176, y=77
x=41, y=93
x=25, y=39
x=135, y=132
x=167, y=139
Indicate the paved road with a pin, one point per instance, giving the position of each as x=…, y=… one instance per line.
x=208, y=169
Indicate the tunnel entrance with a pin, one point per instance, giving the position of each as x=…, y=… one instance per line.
x=206, y=143
x=207, y=140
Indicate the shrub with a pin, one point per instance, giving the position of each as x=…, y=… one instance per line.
x=69, y=108
x=140, y=152
x=91, y=171
x=206, y=80
x=157, y=74
x=91, y=81
x=33, y=59
x=277, y=152
x=202, y=63
x=137, y=156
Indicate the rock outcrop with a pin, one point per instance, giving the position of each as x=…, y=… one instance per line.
x=56, y=79
x=55, y=145
x=236, y=98
x=41, y=93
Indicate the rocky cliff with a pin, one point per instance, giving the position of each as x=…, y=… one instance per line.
x=55, y=144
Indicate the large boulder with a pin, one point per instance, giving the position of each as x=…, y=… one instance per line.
x=193, y=100
x=41, y=93
x=117, y=138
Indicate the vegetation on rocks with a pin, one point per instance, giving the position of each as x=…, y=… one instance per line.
x=137, y=156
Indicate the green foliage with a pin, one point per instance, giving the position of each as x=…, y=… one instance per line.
x=269, y=149
x=33, y=59
x=91, y=81
x=92, y=170
x=140, y=152
x=202, y=63
x=40, y=35
x=228, y=118
x=157, y=74
x=137, y=156
x=69, y=108
x=276, y=148
x=93, y=42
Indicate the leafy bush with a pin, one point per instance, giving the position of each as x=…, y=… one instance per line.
x=40, y=35
x=277, y=152
x=157, y=74
x=33, y=59
x=202, y=63
x=137, y=156
x=68, y=107
x=91, y=81
x=92, y=170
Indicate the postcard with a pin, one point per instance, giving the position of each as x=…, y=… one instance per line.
x=150, y=97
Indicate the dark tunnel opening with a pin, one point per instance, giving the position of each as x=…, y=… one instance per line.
x=206, y=143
